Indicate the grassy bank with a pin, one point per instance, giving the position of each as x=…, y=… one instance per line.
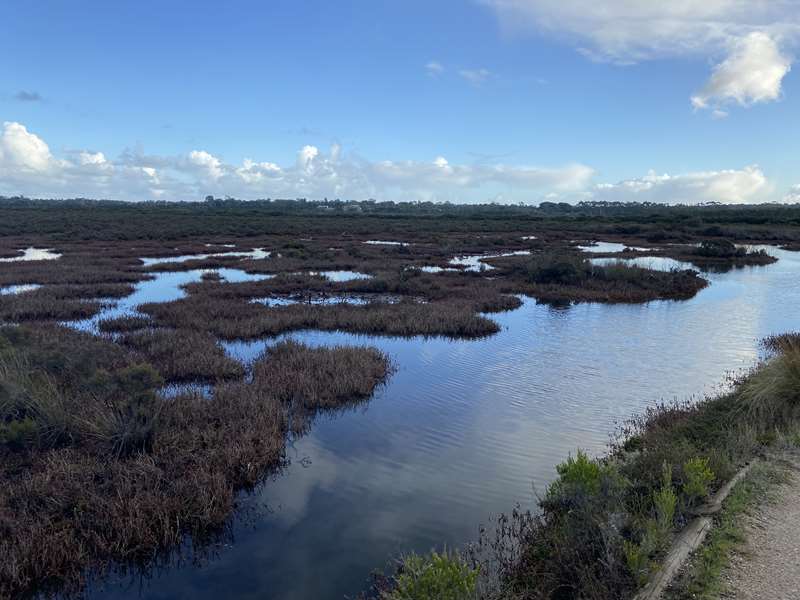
x=98, y=469
x=602, y=526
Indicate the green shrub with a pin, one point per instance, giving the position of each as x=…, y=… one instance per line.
x=697, y=477
x=665, y=500
x=434, y=577
x=656, y=530
x=576, y=476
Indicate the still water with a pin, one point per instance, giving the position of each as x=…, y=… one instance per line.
x=465, y=429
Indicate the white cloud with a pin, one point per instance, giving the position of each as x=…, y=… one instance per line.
x=752, y=73
x=24, y=150
x=92, y=158
x=751, y=35
x=434, y=68
x=734, y=186
x=306, y=157
x=475, y=76
x=208, y=163
x=793, y=195
x=28, y=167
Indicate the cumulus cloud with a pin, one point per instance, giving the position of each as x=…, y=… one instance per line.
x=27, y=166
x=209, y=165
x=752, y=73
x=23, y=150
x=475, y=76
x=743, y=36
x=734, y=186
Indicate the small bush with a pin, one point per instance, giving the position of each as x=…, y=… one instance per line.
x=656, y=530
x=697, y=479
x=434, y=577
x=564, y=269
x=719, y=249
x=579, y=476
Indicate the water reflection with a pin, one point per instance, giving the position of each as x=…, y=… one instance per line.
x=603, y=247
x=33, y=254
x=386, y=243
x=162, y=287
x=475, y=262
x=656, y=263
x=464, y=428
x=255, y=254
x=328, y=300
x=19, y=289
x=340, y=276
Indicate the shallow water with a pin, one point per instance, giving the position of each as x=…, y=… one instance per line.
x=163, y=287
x=33, y=254
x=465, y=429
x=340, y=276
x=475, y=262
x=602, y=247
x=656, y=263
x=19, y=289
x=255, y=254
x=326, y=300
x=386, y=243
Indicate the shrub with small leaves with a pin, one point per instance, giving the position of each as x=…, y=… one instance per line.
x=436, y=576
x=697, y=478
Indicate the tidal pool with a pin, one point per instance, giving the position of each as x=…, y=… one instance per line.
x=19, y=289
x=603, y=247
x=353, y=300
x=465, y=429
x=341, y=276
x=386, y=243
x=656, y=263
x=475, y=262
x=33, y=254
x=255, y=254
x=163, y=287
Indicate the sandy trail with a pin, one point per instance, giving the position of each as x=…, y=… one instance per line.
x=769, y=565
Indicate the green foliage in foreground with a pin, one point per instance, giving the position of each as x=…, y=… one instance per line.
x=434, y=576
x=703, y=579
x=603, y=524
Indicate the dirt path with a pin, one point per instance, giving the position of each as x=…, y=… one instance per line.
x=769, y=565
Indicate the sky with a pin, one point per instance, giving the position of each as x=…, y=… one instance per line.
x=512, y=101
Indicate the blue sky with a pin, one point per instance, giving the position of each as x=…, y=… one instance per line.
x=472, y=100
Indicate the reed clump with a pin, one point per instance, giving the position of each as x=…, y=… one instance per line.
x=183, y=355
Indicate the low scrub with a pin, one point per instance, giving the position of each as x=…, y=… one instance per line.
x=232, y=319
x=183, y=355
x=560, y=276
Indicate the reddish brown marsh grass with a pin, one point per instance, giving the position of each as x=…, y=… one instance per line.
x=74, y=502
x=183, y=355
